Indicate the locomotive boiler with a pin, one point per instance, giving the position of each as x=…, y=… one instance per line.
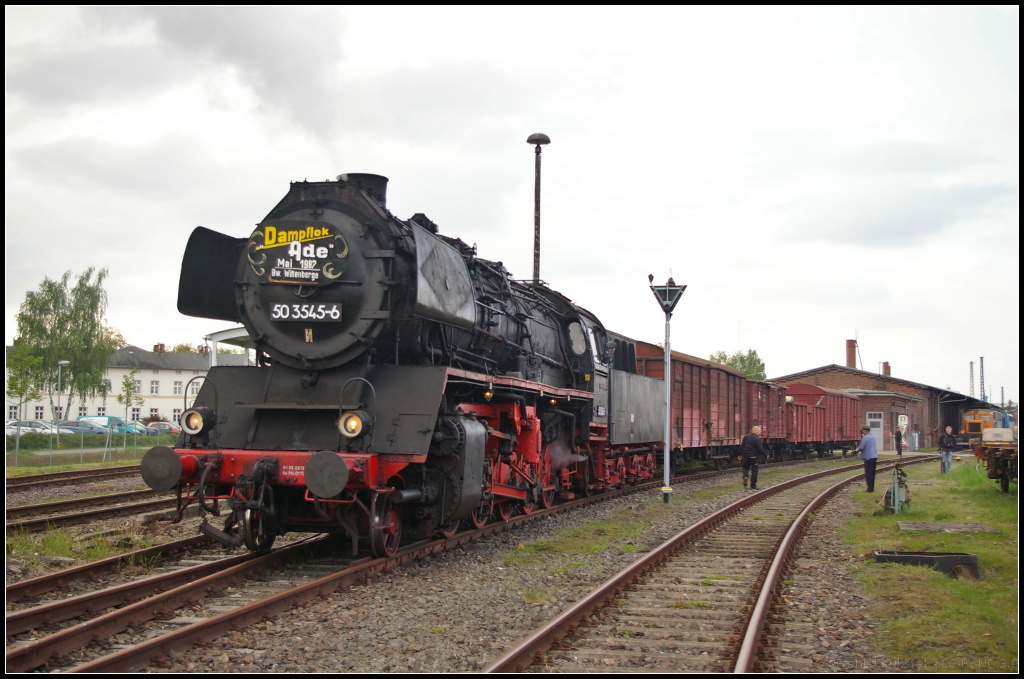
x=402, y=383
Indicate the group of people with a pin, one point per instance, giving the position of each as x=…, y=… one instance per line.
x=752, y=447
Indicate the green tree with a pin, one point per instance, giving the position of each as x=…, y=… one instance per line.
x=63, y=321
x=184, y=348
x=749, y=363
x=23, y=377
x=128, y=397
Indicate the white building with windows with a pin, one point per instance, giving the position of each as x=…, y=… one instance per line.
x=164, y=381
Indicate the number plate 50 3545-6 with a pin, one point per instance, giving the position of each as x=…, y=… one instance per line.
x=305, y=312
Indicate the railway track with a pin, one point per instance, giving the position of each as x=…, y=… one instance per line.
x=31, y=522
x=702, y=601
x=18, y=483
x=152, y=602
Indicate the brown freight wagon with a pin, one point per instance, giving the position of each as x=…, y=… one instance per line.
x=833, y=424
x=709, y=403
x=766, y=407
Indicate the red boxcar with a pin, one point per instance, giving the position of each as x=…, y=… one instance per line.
x=709, y=402
x=766, y=407
x=840, y=415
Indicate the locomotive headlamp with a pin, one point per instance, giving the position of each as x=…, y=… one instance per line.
x=488, y=395
x=353, y=424
x=195, y=420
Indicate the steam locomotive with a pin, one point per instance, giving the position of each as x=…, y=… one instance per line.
x=403, y=384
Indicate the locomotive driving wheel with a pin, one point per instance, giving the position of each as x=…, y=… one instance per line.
x=386, y=531
x=481, y=515
x=449, y=529
x=505, y=510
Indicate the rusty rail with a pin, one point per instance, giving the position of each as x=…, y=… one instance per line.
x=747, y=656
x=47, y=583
x=19, y=511
x=534, y=646
x=76, y=518
x=15, y=483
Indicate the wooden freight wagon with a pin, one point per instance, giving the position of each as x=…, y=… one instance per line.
x=835, y=422
x=709, y=403
x=766, y=407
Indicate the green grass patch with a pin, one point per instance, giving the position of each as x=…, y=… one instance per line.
x=945, y=623
x=689, y=604
x=539, y=596
x=33, y=550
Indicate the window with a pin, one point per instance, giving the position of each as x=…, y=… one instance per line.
x=154, y=412
x=136, y=413
x=12, y=412
x=177, y=388
x=60, y=412
x=40, y=413
x=138, y=386
x=177, y=415
x=194, y=389
x=101, y=412
x=154, y=387
x=156, y=372
x=83, y=411
x=874, y=420
x=177, y=372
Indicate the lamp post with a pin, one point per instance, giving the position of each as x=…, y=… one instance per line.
x=668, y=296
x=538, y=140
x=60, y=364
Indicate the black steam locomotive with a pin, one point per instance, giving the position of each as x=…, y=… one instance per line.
x=402, y=384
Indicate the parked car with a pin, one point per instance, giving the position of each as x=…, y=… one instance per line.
x=84, y=425
x=111, y=422
x=38, y=427
x=165, y=427
x=141, y=429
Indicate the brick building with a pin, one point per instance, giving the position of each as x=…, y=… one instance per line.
x=884, y=398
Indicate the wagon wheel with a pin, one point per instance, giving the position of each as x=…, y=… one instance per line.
x=386, y=533
x=449, y=529
x=505, y=510
x=481, y=515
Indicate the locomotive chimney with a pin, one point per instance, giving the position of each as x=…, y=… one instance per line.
x=885, y=368
x=374, y=184
x=851, y=353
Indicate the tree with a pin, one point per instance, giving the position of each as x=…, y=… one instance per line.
x=61, y=322
x=185, y=349
x=750, y=364
x=128, y=399
x=23, y=376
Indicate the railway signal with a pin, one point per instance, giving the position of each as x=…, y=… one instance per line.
x=668, y=296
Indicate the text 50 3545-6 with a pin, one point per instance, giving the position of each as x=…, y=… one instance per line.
x=305, y=312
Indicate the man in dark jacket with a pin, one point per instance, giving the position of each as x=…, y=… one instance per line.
x=947, y=444
x=898, y=438
x=750, y=449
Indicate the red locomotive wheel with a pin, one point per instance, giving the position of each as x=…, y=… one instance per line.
x=506, y=510
x=385, y=537
x=480, y=516
x=450, y=529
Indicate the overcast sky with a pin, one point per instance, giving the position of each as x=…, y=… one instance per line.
x=810, y=174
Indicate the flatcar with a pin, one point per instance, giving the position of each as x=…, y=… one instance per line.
x=403, y=383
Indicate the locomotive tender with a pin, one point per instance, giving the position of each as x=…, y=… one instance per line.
x=402, y=383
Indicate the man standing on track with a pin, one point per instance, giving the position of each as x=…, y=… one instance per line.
x=869, y=453
x=947, y=444
x=751, y=448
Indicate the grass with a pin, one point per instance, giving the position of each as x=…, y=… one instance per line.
x=70, y=444
x=47, y=469
x=34, y=549
x=678, y=603
x=539, y=596
x=950, y=624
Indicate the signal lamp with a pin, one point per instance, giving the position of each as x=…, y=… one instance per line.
x=353, y=423
x=553, y=401
x=196, y=420
x=488, y=395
